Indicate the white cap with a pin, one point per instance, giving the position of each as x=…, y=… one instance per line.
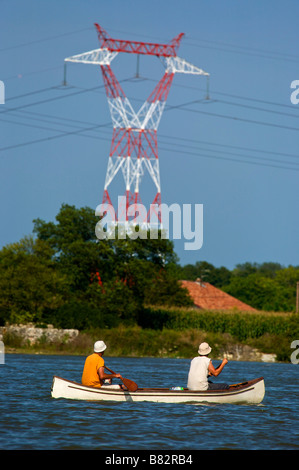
x=99, y=346
x=204, y=349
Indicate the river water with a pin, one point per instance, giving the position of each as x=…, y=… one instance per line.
x=31, y=420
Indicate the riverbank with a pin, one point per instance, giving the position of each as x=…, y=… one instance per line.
x=134, y=341
x=169, y=333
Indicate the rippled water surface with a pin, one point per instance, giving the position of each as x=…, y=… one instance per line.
x=31, y=419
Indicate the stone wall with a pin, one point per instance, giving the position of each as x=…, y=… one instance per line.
x=243, y=352
x=31, y=334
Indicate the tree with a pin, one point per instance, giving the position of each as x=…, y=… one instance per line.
x=115, y=276
x=218, y=277
x=266, y=293
x=29, y=281
x=267, y=269
x=77, y=251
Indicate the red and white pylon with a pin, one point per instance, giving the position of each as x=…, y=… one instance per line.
x=134, y=147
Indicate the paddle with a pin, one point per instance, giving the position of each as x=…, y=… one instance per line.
x=131, y=386
x=237, y=385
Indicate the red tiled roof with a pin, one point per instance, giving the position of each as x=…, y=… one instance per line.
x=206, y=296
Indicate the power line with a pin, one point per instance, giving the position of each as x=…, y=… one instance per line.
x=97, y=126
x=42, y=115
x=235, y=154
x=44, y=139
x=50, y=38
x=7, y=110
x=30, y=73
x=30, y=93
x=231, y=95
x=62, y=96
x=235, y=118
x=256, y=108
x=222, y=45
x=234, y=147
x=244, y=50
x=198, y=43
x=215, y=45
x=169, y=107
x=271, y=103
x=249, y=48
x=175, y=150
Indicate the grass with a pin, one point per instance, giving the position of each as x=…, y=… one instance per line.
x=166, y=332
x=137, y=342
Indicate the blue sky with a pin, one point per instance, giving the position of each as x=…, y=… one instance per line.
x=236, y=153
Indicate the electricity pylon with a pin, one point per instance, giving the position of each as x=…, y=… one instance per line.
x=134, y=147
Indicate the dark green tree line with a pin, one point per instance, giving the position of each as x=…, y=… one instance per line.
x=65, y=276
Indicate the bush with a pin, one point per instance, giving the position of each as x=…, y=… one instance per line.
x=79, y=315
x=241, y=326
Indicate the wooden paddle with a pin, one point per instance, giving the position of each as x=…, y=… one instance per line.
x=131, y=386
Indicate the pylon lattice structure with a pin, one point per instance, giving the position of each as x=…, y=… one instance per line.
x=134, y=147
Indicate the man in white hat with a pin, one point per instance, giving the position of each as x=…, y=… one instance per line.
x=94, y=372
x=201, y=367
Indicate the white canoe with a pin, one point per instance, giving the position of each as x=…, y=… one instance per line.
x=251, y=392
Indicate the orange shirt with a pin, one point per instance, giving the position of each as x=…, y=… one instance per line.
x=90, y=375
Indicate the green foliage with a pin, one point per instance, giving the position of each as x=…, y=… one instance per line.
x=135, y=341
x=266, y=293
x=69, y=278
x=75, y=246
x=218, y=277
x=241, y=326
x=29, y=281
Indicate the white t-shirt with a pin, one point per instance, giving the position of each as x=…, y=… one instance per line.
x=198, y=373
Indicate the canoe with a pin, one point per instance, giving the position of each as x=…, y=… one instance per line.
x=250, y=392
